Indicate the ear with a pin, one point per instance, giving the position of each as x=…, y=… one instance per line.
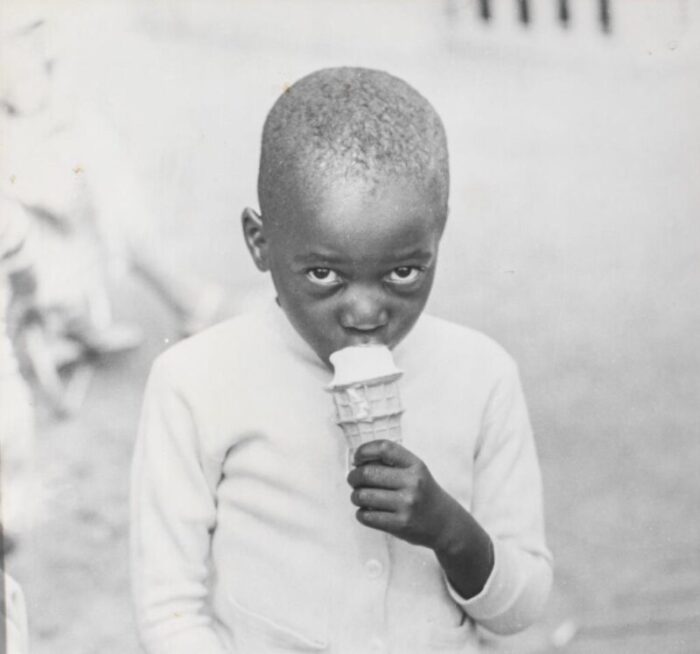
x=254, y=236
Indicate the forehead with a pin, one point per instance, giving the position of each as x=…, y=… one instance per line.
x=360, y=220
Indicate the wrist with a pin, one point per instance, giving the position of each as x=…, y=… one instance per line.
x=465, y=552
x=466, y=540
x=455, y=537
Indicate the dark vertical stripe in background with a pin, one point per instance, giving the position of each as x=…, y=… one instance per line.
x=524, y=11
x=564, y=12
x=605, y=16
x=485, y=9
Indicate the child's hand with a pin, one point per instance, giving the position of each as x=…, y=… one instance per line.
x=396, y=493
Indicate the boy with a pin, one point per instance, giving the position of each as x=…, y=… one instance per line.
x=246, y=536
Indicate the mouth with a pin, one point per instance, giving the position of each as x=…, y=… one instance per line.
x=376, y=336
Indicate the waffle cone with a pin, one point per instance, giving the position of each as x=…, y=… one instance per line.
x=368, y=411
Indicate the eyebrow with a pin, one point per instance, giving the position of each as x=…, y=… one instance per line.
x=421, y=255
x=316, y=258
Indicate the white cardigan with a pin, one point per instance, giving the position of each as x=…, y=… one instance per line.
x=244, y=539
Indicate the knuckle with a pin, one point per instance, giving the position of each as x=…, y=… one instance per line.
x=411, y=501
x=405, y=499
x=419, y=489
x=418, y=500
x=412, y=484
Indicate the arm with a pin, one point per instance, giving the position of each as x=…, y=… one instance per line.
x=507, y=504
x=494, y=558
x=172, y=515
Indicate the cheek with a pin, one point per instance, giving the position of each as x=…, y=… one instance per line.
x=410, y=312
x=313, y=315
x=410, y=307
x=322, y=316
x=286, y=284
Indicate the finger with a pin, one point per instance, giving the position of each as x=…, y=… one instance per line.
x=376, y=475
x=382, y=520
x=375, y=499
x=388, y=452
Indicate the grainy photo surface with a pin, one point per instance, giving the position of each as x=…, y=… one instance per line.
x=130, y=206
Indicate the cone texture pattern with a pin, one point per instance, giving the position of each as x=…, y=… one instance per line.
x=369, y=411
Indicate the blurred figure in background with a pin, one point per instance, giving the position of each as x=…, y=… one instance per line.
x=13, y=613
x=64, y=167
x=17, y=280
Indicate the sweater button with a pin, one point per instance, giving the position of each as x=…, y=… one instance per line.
x=374, y=568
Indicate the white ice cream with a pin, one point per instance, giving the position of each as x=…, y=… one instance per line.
x=361, y=363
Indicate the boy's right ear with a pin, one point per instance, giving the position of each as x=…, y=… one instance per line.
x=254, y=236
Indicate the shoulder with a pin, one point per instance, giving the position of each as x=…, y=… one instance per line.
x=447, y=338
x=451, y=346
x=233, y=344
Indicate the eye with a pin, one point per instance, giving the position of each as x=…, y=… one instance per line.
x=404, y=275
x=323, y=276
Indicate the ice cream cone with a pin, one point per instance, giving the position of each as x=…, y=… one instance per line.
x=366, y=395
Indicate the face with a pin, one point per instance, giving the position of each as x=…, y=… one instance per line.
x=352, y=263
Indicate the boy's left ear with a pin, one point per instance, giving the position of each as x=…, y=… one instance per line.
x=254, y=236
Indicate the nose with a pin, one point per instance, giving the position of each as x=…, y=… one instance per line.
x=363, y=310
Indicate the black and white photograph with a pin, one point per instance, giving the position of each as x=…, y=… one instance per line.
x=351, y=327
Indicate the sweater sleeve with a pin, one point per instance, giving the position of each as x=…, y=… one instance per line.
x=507, y=502
x=173, y=514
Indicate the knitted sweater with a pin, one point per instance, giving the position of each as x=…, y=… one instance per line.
x=244, y=538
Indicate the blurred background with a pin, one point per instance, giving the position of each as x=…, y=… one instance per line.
x=573, y=239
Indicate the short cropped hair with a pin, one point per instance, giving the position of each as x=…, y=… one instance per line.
x=352, y=123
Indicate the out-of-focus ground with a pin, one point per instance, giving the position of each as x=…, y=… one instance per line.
x=574, y=240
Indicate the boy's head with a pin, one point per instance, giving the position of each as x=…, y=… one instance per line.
x=353, y=190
